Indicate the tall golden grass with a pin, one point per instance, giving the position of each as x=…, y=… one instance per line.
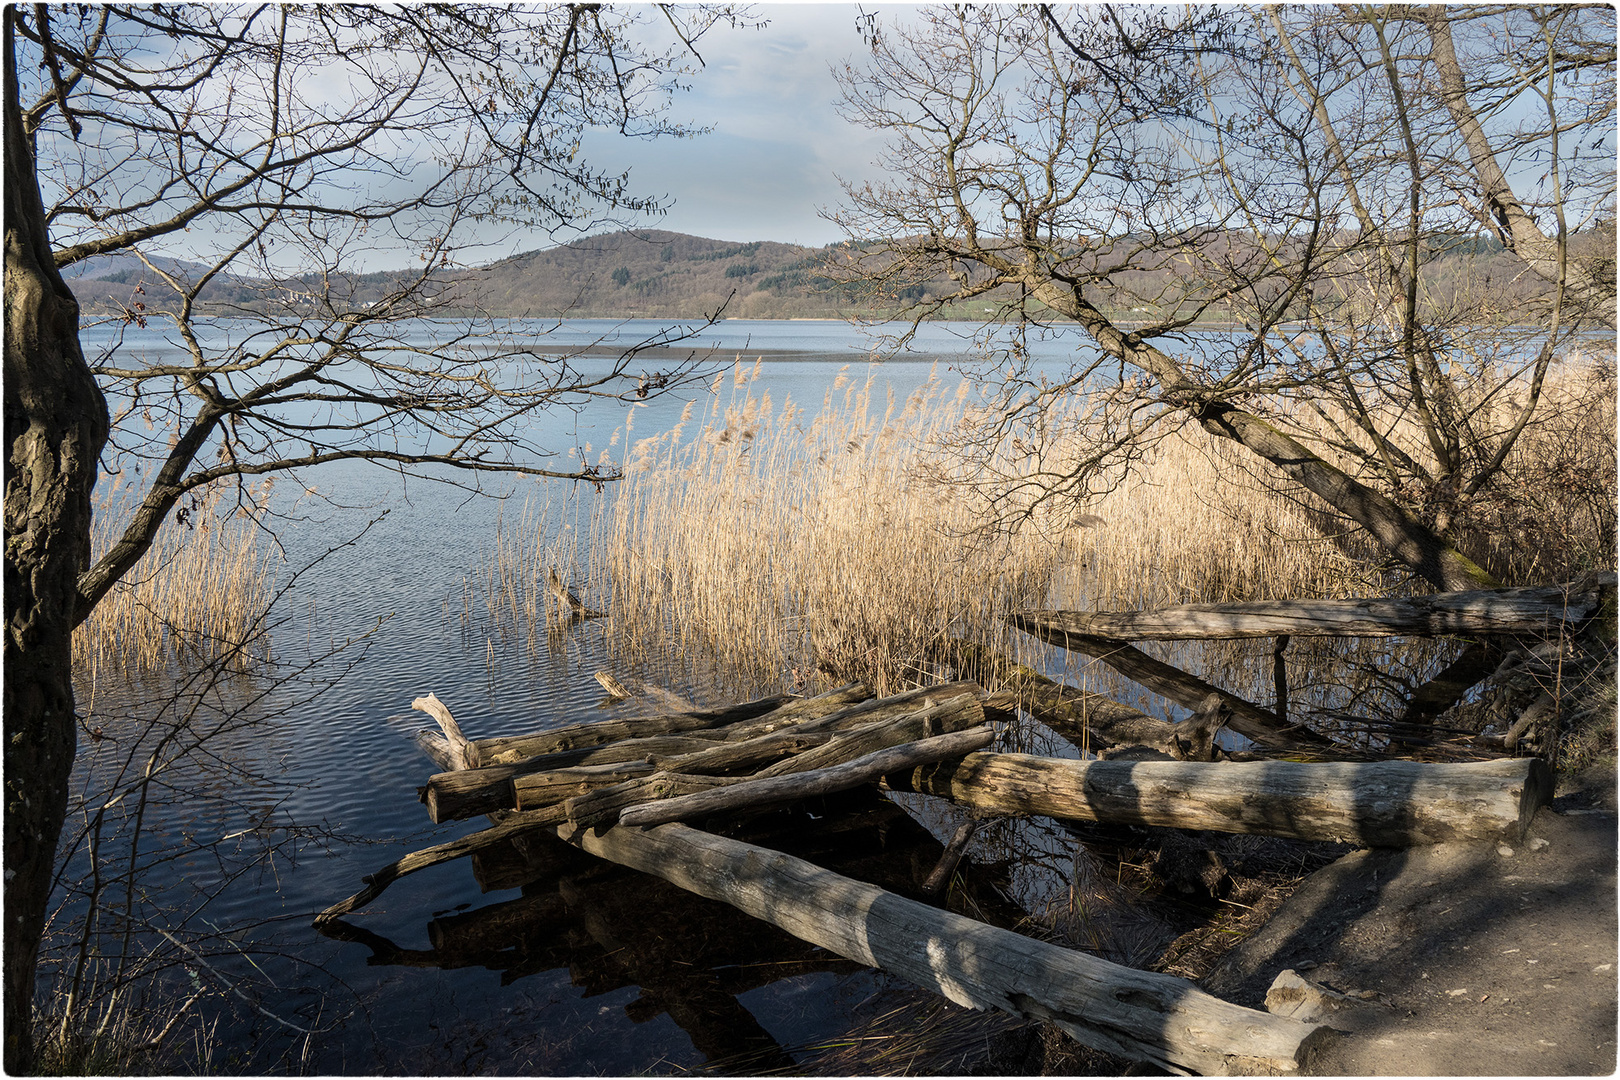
x=777, y=541
x=787, y=540
x=200, y=592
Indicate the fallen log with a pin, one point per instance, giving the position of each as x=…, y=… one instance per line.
x=513, y=825
x=1371, y=804
x=951, y=715
x=454, y=794
x=454, y=749
x=600, y=732
x=1144, y=1016
x=1190, y=739
x=555, y=785
x=752, y=793
x=606, y=804
x=934, y=885
x=852, y=715
x=573, y=607
x=1538, y=610
x=1183, y=688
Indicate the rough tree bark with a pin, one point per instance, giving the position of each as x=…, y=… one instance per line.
x=55, y=426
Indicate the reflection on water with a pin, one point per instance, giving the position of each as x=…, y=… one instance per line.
x=682, y=957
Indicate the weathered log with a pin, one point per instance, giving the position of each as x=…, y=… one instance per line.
x=776, y=790
x=458, y=751
x=456, y=795
x=852, y=715
x=793, y=727
x=571, y=605
x=1451, y=682
x=512, y=825
x=1190, y=739
x=1373, y=804
x=1144, y=1016
x=555, y=785
x=950, y=715
x=609, y=682
x=940, y=876
x=1537, y=610
x=600, y=732
x=605, y=804
x=1179, y=686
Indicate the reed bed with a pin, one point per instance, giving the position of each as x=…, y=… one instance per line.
x=201, y=592
x=792, y=541
x=788, y=546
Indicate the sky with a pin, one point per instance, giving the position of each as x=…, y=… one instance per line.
x=777, y=144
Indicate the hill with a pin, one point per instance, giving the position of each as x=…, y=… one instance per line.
x=653, y=273
x=657, y=274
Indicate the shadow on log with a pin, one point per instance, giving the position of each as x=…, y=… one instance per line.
x=1371, y=804
x=1143, y=1016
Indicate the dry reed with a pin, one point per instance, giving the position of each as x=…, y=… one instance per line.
x=789, y=542
x=776, y=543
x=200, y=592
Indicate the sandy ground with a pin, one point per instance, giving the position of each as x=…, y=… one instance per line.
x=1458, y=959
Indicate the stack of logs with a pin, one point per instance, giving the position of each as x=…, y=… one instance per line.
x=619, y=788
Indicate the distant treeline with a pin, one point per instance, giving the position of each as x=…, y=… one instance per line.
x=644, y=273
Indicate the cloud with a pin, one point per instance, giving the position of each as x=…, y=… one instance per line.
x=776, y=144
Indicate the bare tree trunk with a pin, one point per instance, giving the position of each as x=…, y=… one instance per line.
x=1413, y=543
x=55, y=426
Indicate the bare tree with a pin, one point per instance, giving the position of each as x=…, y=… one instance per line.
x=270, y=146
x=1326, y=184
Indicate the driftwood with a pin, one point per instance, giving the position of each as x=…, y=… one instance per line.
x=1191, y=739
x=934, y=885
x=606, y=804
x=1171, y=682
x=1091, y=721
x=1372, y=804
x=1538, y=610
x=513, y=825
x=454, y=794
x=854, y=714
x=775, y=790
x=601, y=732
x=610, y=683
x=453, y=751
x=1144, y=1016
x=567, y=601
x=1454, y=680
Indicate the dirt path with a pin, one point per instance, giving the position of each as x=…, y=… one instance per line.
x=1460, y=959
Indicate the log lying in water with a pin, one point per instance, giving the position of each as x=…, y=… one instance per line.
x=1171, y=682
x=1372, y=804
x=600, y=732
x=513, y=825
x=1144, y=1016
x=737, y=746
x=607, y=803
x=775, y=790
x=1538, y=610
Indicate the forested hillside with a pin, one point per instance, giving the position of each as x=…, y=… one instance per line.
x=662, y=274
x=658, y=274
